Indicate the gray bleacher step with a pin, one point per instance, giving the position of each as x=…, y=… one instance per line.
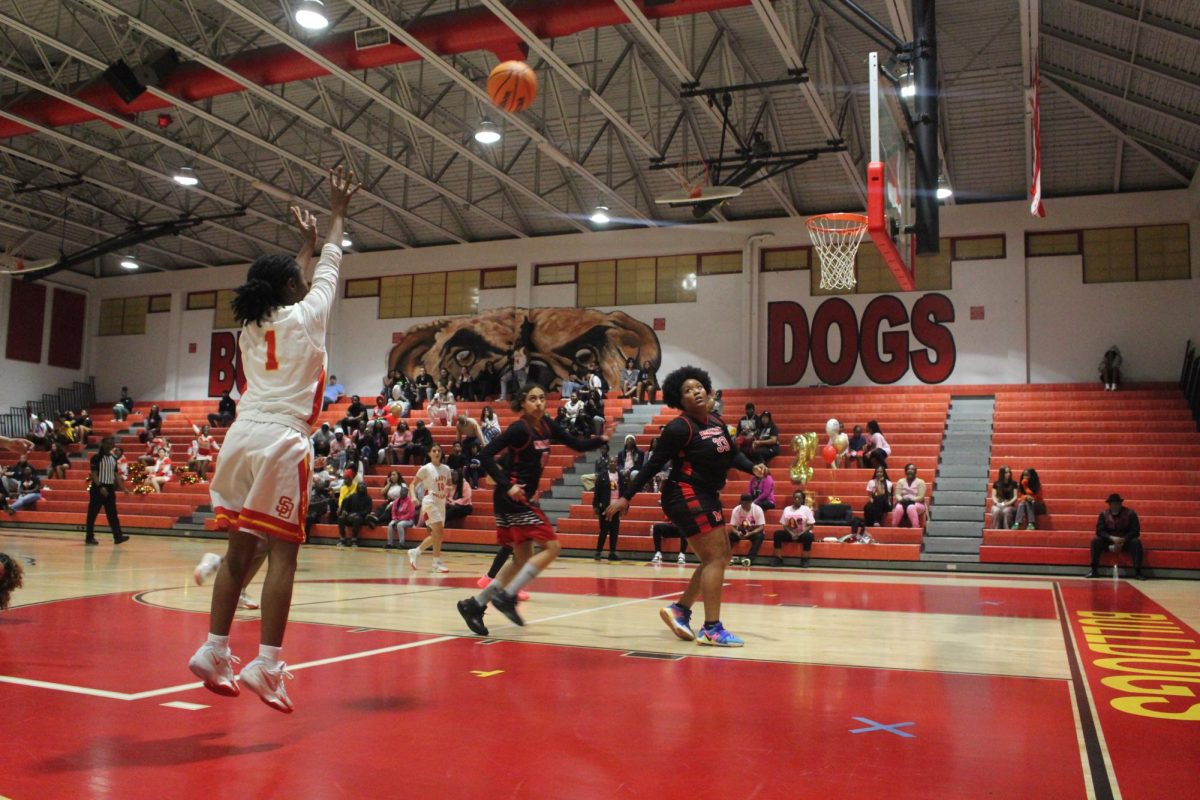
x=952, y=497
x=952, y=544
x=958, y=513
x=951, y=527
x=973, y=471
x=973, y=460
x=559, y=505
x=959, y=558
x=967, y=484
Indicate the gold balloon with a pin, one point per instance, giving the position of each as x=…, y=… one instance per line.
x=841, y=442
x=805, y=448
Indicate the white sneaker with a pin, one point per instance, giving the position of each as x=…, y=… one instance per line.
x=412, y=556
x=682, y=559
x=267, y=682
x=657, y=558
x=208, y=566
x=438, y=566
x=215, y=668
x=245, y=602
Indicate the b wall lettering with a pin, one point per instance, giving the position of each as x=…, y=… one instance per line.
x=225, y=364
x=885, y=359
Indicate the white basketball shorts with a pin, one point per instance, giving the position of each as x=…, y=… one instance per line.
x=262, y=480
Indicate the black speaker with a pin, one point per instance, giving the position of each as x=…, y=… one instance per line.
x=124, y=81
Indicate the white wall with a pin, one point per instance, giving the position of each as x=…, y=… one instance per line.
x=1059, y=336
x=22, y=380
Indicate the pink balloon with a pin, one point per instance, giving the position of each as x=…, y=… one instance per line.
x=828, y=453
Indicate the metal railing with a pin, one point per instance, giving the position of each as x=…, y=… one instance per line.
x=1189, y=379
x=78, y=395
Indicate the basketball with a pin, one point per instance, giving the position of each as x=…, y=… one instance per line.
x=512, y=85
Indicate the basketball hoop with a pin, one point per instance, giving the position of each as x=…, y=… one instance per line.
x=836, y=237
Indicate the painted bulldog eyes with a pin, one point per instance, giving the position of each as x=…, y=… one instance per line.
x=585, y=355
x=464, y=358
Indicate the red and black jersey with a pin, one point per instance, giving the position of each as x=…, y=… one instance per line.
x=700, y=454
x=525, y=449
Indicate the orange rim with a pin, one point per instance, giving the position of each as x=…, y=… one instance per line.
x=858, y=221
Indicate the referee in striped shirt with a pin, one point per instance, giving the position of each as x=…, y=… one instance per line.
x=103, y=493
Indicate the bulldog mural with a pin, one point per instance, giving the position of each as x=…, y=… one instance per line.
x=558, y=341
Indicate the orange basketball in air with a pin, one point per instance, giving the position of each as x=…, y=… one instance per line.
x=512, y=85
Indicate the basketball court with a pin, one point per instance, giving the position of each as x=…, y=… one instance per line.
x=836, y=208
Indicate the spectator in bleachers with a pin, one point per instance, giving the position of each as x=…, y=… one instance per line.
x=353, y=514
x=909, y=498
x=747, y=522
x=879, y=498
x=855, y=447
x=570, y=385
x=766, y=439
x=1004, y=499
x=459, y=505
x=629, y=379
x=353, y=462
x=400, y=395
x=489, y=382
x=337, y=449
x=29, y=491
x=423, y=383
x=470, y=435
x=572, y=408
x=334, y=391
x=159, y=474
x=1117, y=530
x=321, y=441
x=379, y=411
x=320, y=506
x=152, y=427
x=83, y=426
x=123, y=407
x=375, y=450
x=489, y=424
x=647, y=386
x=467, y=388
x=798, y=521
x=763, y=490
x=608, y=484
x=442, y=408
x=356, y=412
x=877, y=449
x=402, y=516
x=718, y=403
x=122, y=462
x=204, y=447
x=152, y=447
x=389, y=492
x=40, y=433
x=747, y=427
x=59, y=461
x=630, y=459
x=593, y=409
x=226, y=412
x=1029, y=500
x=64, y=428
x=1110, y=369
x=422, y=441
x=400, y=439
x=665, y=530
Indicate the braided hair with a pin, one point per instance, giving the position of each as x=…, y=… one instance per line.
x=263, y=290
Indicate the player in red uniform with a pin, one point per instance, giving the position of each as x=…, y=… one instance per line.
x=261, y=484
x=697, y=445
x=519, y=521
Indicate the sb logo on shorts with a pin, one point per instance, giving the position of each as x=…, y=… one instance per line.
x=284, y=507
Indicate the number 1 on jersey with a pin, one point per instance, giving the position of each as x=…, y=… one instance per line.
x=272, y=364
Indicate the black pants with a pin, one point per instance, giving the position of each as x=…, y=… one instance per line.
x=1132, y=546
x=355, y=521
x=755, y=539
x=876, y=511
x=875, y=458
x=220, y=420
x=665, y=530
x=609, y=529
x=415, y=454
x=454, y=512
x=783, y=536
x=96, y=501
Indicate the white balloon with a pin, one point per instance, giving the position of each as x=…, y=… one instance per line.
x=833, y=427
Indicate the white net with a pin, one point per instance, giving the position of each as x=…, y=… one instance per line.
x=836, y=238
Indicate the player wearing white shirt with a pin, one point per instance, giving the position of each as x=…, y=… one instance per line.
x=260, y=488
x=798, y=521
x=434, y=480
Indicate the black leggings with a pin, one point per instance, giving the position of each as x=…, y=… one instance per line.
x=665, y=530
x=755, y=539
x=502, y=555
x=783, y=536
x=1132, y=546
x=876, y=510
x=609, y=528
x=454, y=512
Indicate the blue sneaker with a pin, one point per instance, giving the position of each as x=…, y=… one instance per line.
x=718, y=637
x=679, y=620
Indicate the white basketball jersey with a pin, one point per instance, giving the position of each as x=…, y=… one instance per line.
x=435, y=482
x=283, y=359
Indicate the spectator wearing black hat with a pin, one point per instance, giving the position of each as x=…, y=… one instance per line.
x=1117, y=530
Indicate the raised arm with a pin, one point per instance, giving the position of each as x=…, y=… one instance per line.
x=560, y=434
x=307, y=222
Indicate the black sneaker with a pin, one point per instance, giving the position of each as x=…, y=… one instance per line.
x=804, y=562
x=90, y=541
x=1092, y=574
x=776, y=562
x=506, y=604
x=1140, y=576
x=613, y=557
x=472, y=614
x=119, y=539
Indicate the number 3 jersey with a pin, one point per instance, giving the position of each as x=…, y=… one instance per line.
x=700, y=455
x=283, y=359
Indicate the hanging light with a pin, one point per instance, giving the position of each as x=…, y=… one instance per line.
x=600, y=215
x=128, y=263
x=689, y=282
x=310, y=15
x=944, y=192
x=908, y=86
x=487, y=133
x=186, y=176
x=346, y=240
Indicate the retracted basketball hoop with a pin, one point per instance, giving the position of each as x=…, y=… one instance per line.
x=836, y=238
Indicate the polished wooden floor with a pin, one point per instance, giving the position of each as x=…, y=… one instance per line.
x=853, y=683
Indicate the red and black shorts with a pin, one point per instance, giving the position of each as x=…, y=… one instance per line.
x=521, y=523
x=694, y=511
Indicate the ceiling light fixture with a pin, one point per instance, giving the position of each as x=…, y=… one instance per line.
x=346, y=240
x=487, y=133
x=944, y=192
x=186, y=176
x=908, y=87
x=310, y=15
x=128, y=263
x=600, y=215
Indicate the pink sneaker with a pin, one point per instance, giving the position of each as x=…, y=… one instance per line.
x=483, y=582
x=522, y=595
